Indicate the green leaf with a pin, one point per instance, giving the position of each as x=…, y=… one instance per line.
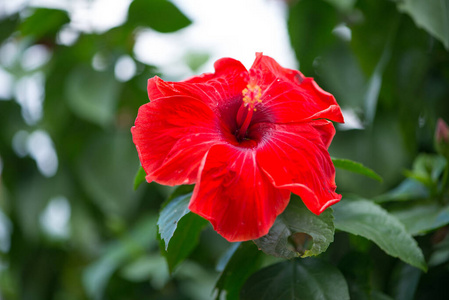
x=298, y=232
x=296, y=280
x=369, y=220
x=225, y=257
x=343, y=5
x=161, y=15
x=196, y=59
x=170, y=216
x=355, y=167
x=179, y=229
x=44, y=22
x=245, y=260
x=8, y=26
x=310, y=42
x=139, y=178
x=92, y=95
x=408, y=189
x=427, y=169
x=147, y=267
x=431, y=15
x=422, y=218
x=184, y=240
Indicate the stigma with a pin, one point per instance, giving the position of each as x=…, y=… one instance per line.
x=251, y=96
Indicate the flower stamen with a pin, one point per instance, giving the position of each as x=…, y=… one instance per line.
x=251, y=96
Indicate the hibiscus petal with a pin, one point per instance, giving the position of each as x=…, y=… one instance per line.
x=172, y=135
x=235, y=195
x=214, y=89
x=326, y=130
x=227, y=68
x=295, y=157
x=270, y=70
x=288, y=96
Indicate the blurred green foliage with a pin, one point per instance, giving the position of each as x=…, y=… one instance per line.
x=386, y=62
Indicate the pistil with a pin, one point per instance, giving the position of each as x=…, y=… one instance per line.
x=251, y=96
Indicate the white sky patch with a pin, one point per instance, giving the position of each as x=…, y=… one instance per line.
x=98, y=16
x=9, y=52
x=343, y=32
x=99, y=62
x=35, y=57
x=30, y=94
x=125, y=68
x=232, y=28
x=55, y=219
x=5, y=233
x=6, y=85
x=352, y=121
x=9, y=7
x=40, y=147
x=67, y=36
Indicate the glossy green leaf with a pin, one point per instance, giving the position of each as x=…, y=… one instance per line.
x=310, y=32
x=196, y=59
x=179, y=229
x=427, y=169
x=342, y=4
x=298, y=279
x=225, y=257
x=369, y=220
x=170, y=216
x=422, y=218
x=431, y=15
x=139, y=178
x=298, y=232
x=44, y=22
x=161, y=15
x=349, y=165
x=409, y=189
x=147, y=267
x=184, y=240
x=8, y=26
x=245, y=260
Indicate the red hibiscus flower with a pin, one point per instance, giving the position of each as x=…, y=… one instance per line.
x=246, y=138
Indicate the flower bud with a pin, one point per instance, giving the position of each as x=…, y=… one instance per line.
x=442, y=138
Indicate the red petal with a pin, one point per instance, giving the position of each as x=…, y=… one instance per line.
x=228, y=81
x=288, y=96
x=172, y=135
x=295, y=157
x=326, y=130
x=235, y=195
x=227, y=68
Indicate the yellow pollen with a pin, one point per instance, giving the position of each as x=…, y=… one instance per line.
x=251, y=96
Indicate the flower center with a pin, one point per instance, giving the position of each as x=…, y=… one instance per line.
x=251, y=96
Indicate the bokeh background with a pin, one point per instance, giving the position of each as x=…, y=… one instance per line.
x=73, y=75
